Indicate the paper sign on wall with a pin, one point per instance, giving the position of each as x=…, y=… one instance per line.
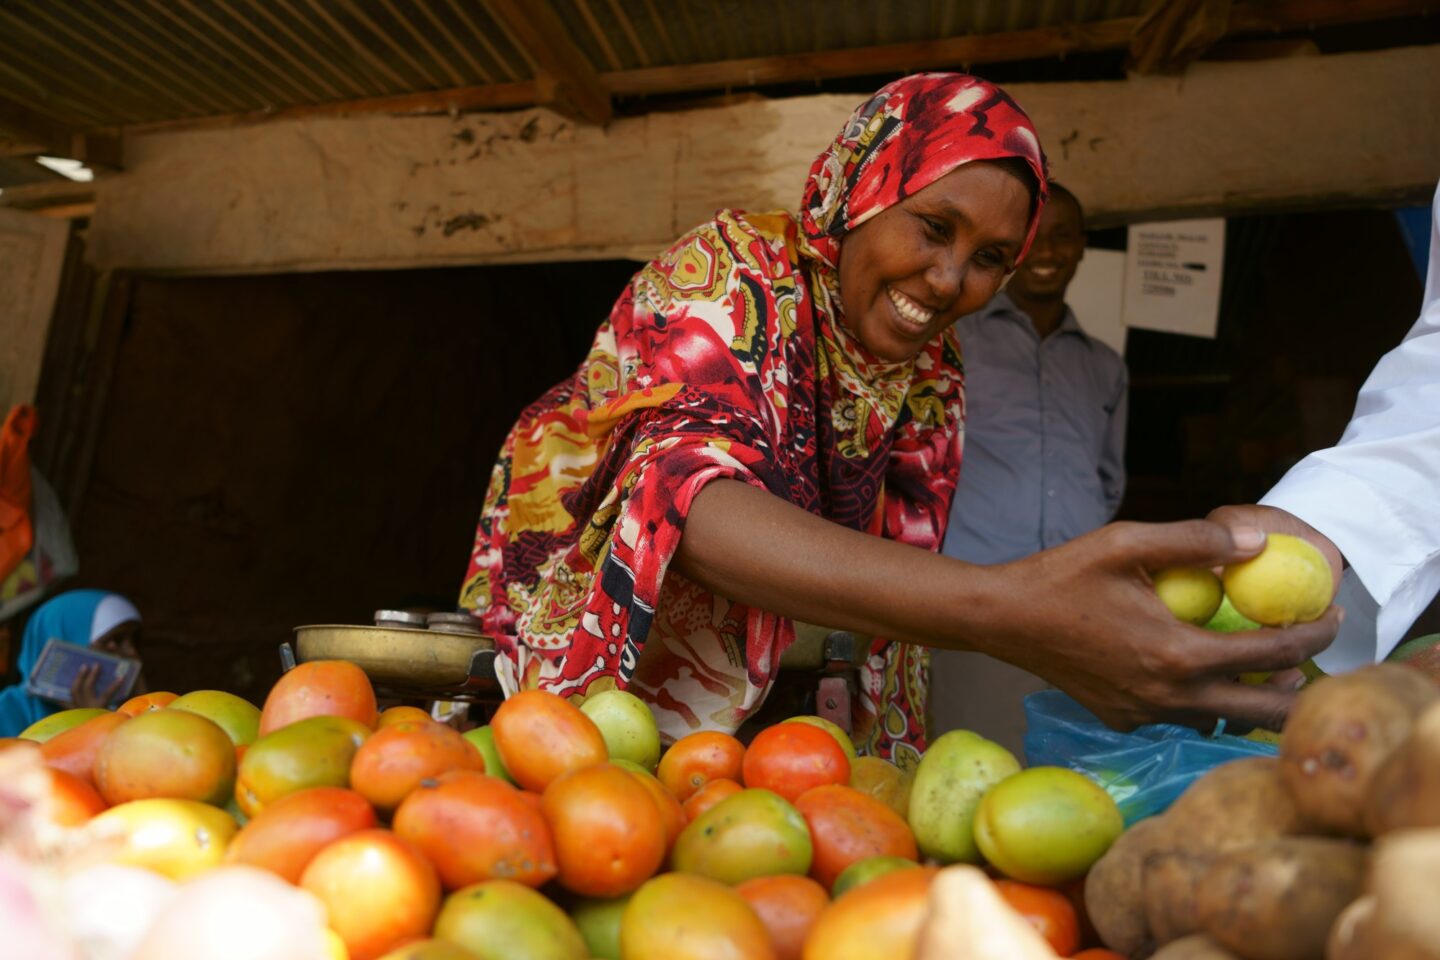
x=1172, y=276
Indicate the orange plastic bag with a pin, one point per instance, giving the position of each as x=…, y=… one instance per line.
x=17, y=534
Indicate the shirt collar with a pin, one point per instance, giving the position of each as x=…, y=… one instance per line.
x=1002, y=304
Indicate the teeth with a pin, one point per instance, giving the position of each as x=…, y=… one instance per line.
x=909, y=309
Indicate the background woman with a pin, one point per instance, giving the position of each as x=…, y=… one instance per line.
x=95, y=618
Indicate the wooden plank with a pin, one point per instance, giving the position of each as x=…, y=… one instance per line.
x=32, y=251
x=26, y=125
x=490, y=96
x=376, y=191
x=570, y=85
x=30, y=196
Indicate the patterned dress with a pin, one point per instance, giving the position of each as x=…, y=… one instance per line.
x=726, y=358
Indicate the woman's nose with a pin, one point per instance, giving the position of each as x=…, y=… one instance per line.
x=946, y=277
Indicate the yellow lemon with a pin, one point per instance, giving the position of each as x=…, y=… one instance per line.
x=1289, y=582
x=1192, y=594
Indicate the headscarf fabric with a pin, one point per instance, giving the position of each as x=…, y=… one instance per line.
x=72, y=618
x=727, y=357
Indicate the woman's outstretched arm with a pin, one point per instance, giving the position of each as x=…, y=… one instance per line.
x=1083, y=616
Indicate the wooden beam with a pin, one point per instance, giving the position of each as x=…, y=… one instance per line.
x=33, y=196
x=491, y=96
x=25, y=124
x=567, y=82
x=1298, y=14
x=1174, y=33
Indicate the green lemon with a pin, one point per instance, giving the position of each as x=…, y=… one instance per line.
x=1191, y=593
x=1289, y=582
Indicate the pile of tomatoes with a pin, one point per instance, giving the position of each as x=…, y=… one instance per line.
x=523, y=840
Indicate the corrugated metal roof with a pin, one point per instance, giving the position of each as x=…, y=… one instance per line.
x=120, y=62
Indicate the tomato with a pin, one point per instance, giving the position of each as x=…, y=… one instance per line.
x=72, y=800
x=146, y=702
x=378, y=891
x=176, y=838
x=881, y=918
x=501, y=920
x=1098, y=953
x=315, y=752
x=696, y=759
x=847, y=826
x=789, y=907
x=678, y=916
x=166, y=753
x=393, y=715
x=541, y=736
x=1048, y=911
x=394, y=761
x=320, y=688
x=672, y=815
x=475, y=827
x=790, y=758
x=285, y=836
x=709, y=795
x=609, y=837
x=752, y=834
x=238, y=717
x=74, y=750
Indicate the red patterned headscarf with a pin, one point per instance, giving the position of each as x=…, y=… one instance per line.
x=908, y=135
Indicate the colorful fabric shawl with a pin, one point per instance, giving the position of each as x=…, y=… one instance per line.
x=727, y=357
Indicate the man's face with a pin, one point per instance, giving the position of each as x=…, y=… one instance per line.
x=1054, y=256
x=914, y=269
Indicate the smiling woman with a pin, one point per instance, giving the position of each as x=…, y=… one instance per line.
x=767, y=427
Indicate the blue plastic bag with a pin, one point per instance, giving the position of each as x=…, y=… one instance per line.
x=1143, y=770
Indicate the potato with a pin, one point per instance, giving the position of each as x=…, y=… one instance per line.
x=1339, y=733
x=1352, y=934
x=1405, y=791
x=1403, y=879
x=1171, y=884
x=1114, y=896
x=1196, y=947
x=1277, y=900
x=1232, y=807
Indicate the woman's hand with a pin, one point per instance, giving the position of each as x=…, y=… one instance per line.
x=83, y=692
x=1085, y=617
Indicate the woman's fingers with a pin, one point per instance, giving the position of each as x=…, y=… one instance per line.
x=1189, y=543
x=1264, y=649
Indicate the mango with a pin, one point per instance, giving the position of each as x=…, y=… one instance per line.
x=953, y=775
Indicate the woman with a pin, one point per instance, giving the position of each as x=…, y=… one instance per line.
x=767, y=426
x=105, y=621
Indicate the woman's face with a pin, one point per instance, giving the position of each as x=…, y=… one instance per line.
x=119, y=640
x=912, y=270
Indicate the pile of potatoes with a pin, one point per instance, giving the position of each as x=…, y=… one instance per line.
x=1330, y=851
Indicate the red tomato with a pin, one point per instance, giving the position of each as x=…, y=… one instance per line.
x=474, y=828
x=790, y=758
x=1048, y=911
x=709, y=795
x=287, y=834
x=1099, y=953
x=696, y=759
x=320, y=688
x=378, y=891
x=847, y=825
x=788, y=906
x=609, y=835
x=541, y=737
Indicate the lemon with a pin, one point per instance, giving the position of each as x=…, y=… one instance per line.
x=1289, y=582
x=1192, y=594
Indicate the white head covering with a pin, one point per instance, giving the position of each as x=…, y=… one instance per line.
x=112, y=611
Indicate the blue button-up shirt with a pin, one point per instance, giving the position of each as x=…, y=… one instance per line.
x=1044, y=454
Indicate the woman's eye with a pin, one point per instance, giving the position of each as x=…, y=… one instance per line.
x=936, y=228
x=990, y=258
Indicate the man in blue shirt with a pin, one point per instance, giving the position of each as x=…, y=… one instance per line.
x=1044, y=454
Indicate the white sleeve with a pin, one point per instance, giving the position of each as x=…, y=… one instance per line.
x=1376, y=493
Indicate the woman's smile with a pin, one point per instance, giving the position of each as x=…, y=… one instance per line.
x=911, y=313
